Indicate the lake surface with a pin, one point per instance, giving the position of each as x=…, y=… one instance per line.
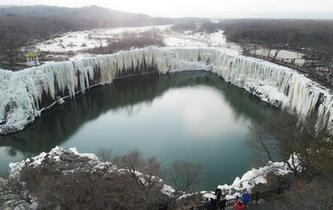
x=192, y=116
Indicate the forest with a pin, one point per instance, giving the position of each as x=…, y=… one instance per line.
x=313, y=37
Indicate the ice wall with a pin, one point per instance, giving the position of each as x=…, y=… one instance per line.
x=25, y=94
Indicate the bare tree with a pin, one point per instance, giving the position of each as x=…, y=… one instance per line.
x=146, y=173
x=185, y=176
x=105, y=155
x=261, y=140
x=128, y=40
x=277, y=51
x=309, y=149
x=73, y=183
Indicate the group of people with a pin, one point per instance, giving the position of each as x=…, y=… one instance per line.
x=220, y=201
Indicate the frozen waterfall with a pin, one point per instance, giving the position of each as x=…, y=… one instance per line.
x=25, y=94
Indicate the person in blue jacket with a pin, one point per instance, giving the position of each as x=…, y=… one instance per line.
x=246, y=198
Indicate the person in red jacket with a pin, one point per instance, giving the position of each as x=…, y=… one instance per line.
x=239, y=205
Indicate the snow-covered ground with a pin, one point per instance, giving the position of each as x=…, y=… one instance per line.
x=83, y=40
x=190, y=39
x=286, y=55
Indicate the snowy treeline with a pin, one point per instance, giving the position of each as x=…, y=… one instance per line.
x=25, y=94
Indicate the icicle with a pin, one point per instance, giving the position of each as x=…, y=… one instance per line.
x=22, y=93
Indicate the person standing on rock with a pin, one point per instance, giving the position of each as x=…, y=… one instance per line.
x=218, y=194
x=214, y=203
x=239, y=205
x=223, y=203
x=246, y=198
x=256, y=198
x=208, y=204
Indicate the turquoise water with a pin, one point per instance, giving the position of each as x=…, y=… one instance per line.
x=194, y=116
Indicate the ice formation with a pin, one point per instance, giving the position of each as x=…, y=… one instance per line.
x=25, y=94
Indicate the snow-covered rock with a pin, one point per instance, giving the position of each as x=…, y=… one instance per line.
x=252, y=178
x=25, y=94
x=70, y=161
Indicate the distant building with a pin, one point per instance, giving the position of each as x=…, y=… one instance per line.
x=32, y=58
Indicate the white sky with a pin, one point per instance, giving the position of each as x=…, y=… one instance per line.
x=202, y=8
